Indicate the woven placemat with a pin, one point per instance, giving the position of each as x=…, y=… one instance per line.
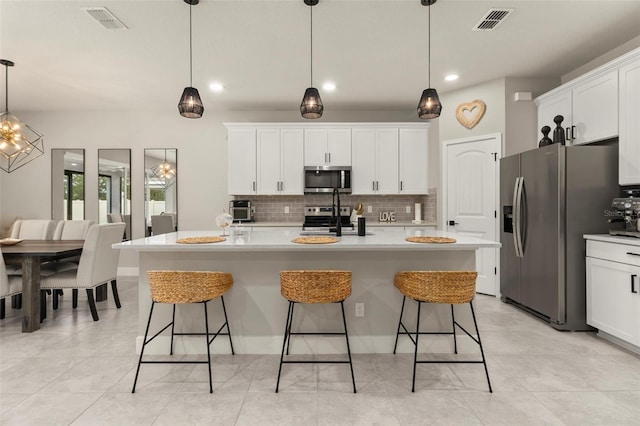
x=315, y=240
x=438, y=240
x=200, y=240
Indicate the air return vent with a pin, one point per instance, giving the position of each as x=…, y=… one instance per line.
x=491, y=19
x=105, y=18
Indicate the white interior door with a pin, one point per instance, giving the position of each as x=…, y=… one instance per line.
x=471, y=199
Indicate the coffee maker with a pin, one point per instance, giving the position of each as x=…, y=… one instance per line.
x=627, y=214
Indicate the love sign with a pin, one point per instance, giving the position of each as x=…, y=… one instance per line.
x=470, y=113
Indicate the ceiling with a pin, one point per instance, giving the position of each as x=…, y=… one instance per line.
x=374, y=50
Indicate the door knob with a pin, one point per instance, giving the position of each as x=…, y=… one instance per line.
x=453, y=222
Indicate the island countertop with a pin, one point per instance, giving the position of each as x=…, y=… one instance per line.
x=281, y=240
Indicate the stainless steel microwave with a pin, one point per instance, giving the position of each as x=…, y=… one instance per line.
x=326, y=178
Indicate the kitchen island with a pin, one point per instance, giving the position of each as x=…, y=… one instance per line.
x=257, y=311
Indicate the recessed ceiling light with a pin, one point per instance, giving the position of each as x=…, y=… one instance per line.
x=216, y=87
x=329, y=86
x=451, y=77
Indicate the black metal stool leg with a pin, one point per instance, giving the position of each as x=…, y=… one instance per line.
x=453, y=325
x=43, y=305
x=415, y=354
x=344, y=321
x=484, y=362
x=226, y=321
x=293, y=304
x=284, y=342
x=173, y=322
x=54, y=296
x=2, y=308
x=399, y=324
x=206, y=327
x=74, y=298
x=144, y=342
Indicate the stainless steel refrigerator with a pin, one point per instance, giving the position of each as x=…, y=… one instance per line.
x=550, y=197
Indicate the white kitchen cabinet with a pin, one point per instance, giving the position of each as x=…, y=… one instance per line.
x=242, y=161
x=413, y=160
x=589, y=108
x=629, y=125
x=595, y=109
x=374, y=160
x=613, y=289
x=280, y=159
x=327, y=147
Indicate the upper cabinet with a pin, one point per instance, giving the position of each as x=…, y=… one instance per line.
x=629, y=139
x=386, y=158
x=590, y=109
x=242, y=160
x=375, y=160
x=327, y=147
x=280, y=156
x=413, y=156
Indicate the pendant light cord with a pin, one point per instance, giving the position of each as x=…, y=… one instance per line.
x=311, y=42
x=190, y=50
x=6, y=88
x=429, y=54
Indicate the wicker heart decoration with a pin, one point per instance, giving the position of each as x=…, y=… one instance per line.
x=474, y=112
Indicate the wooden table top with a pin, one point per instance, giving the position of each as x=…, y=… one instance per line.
x=44, y=248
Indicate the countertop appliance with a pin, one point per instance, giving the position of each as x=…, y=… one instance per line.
x=326, y=179
x=549, y=198
x=322, y=218
x=627, y=212
x=241, y=211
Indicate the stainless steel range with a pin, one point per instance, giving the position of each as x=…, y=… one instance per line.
x=324, y=218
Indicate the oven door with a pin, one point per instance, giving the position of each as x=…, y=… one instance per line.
x=241, y=214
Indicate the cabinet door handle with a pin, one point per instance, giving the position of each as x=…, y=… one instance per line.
x=373, y=185
x=254, y=185
x=329, y=158
x=400, y=185
x=633, y=284
x=573, y=133
x=281, y=186
x=566, y=134
x=633, y=254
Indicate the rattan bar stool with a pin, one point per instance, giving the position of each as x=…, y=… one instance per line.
x=314, y=287
x=181, y=287
x=445, y=287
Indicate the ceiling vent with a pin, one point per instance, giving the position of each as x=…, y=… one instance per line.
x=491, y=19
x=105, y=18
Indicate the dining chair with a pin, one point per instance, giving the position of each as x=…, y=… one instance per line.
x=72, y=229
x=98, y=265
x=9, y=286
x=33, y=229
x=161, y=224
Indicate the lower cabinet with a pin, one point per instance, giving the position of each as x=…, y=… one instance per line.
x=613, y=290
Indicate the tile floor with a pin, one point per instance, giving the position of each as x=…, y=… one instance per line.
x=77, y=372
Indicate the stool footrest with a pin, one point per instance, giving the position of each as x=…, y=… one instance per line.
x=174, y=362
x=315, y=362
x=449, y=362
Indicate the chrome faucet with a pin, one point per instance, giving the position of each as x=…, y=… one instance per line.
x=335, y=213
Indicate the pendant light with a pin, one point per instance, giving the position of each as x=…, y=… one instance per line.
x=311, y=106
x=190, y=104
x=164, y=173
x=429, y=106
x=19, y=143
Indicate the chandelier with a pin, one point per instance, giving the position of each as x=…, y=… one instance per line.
x=163, y=173
x=19, y=143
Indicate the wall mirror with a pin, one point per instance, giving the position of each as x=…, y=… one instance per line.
x=161, y=190
x=114, y=187
x=67, y=184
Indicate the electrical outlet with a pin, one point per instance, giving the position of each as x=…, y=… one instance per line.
x=407, y=209
x=369, y=209
x=359, y=309
x=286, y=209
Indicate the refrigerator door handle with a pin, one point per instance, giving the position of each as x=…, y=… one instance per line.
x=517, y=211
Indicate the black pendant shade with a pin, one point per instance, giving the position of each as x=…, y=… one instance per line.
x=311, y=106
x=190, y=105
x=429, y=106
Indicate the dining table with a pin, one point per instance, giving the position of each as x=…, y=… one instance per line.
x=30, y=254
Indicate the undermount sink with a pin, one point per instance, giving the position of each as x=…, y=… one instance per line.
x=327, y=232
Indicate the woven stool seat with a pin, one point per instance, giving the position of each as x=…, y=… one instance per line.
x=441, y=287
x=188, y=286
x=315, y=286
x=182, y=287
x=452, y=287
